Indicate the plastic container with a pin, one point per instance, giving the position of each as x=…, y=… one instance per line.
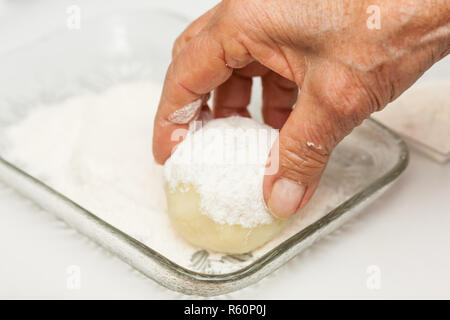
x=422, y=114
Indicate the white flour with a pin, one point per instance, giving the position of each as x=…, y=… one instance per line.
x=187, y=113
x=96, y=150
x=225, y=160
x=423, y=114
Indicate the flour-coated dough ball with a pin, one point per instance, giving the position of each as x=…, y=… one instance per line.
x=200, y=230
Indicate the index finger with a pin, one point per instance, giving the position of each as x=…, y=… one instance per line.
x=198, y=69
x=192, y=30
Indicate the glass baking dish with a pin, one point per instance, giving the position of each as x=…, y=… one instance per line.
x=127, y=46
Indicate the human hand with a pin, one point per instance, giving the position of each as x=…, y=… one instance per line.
x=345, y=69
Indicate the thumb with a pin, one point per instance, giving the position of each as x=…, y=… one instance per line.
x=317, y=123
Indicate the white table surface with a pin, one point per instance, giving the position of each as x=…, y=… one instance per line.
x=402, y=240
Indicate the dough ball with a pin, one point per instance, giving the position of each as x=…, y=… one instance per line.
x=214, y=185
x=202, y=231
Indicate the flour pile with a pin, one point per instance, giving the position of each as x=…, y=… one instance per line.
x=96, y=149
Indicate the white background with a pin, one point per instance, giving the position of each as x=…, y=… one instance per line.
x=405, y=234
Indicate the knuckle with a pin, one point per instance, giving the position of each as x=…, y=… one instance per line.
x=385, y=86
x=233, y=27
x=242, y=15
x=232, y=42
x=181, y=41
x=234, y=5
x=349, y=98
x=235, y=53
x=300, y=161
x=177, y=45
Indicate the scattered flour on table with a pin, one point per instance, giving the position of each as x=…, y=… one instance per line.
x=97, y=150
x=224, y=160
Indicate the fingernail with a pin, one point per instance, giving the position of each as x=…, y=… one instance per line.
x=285, y=197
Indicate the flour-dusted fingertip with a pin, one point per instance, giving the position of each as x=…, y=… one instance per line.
x=187, y=113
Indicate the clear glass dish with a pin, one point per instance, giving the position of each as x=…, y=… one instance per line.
x=127, y=46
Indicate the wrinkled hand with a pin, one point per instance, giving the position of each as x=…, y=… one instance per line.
x=345, y=69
